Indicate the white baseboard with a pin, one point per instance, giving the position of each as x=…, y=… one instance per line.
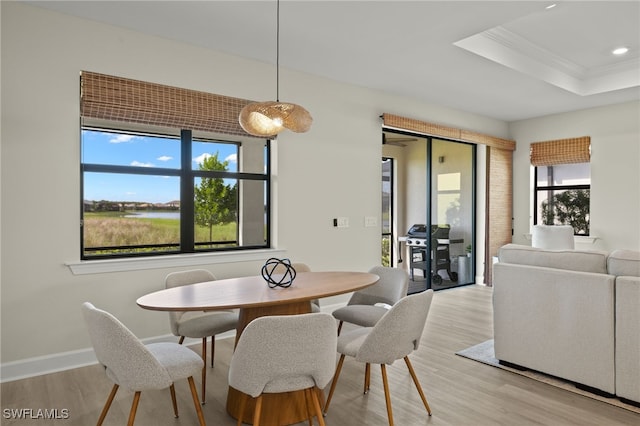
x=62, y=361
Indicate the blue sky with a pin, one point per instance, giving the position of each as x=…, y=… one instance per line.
x=143, y=151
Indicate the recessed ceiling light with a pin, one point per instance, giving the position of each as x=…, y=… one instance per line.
x=620, y=50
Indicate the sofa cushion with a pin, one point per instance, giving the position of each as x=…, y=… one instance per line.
x=624, y=263
x=553, y=237
x=572, y=260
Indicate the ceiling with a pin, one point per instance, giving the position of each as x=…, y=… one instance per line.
x=509, y=60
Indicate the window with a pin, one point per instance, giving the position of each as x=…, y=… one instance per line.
x=562, y=196
x=562, y=183
x=168, y=170
x=152, y=194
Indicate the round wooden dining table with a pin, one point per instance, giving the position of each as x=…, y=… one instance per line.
x=254, y=298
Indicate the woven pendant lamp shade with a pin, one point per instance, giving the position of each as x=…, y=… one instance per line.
x=270, y=118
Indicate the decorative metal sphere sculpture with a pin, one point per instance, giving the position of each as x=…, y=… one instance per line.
x=277, y=267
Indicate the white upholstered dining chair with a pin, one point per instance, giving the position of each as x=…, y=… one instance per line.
x=284, y=353
x=138, y=367
x=367, y=306
x=199, y=325
x=396, y=335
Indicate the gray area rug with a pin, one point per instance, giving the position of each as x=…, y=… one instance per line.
x=483, y=353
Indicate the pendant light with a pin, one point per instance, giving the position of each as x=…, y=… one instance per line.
x=270, y=118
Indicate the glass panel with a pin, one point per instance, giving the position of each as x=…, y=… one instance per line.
x=386, y=195
x=215, y=212
x=564, y=207
x=564, y=174
x=386, y=250
x=210, y=155
x=245, y=157
x=253, y=217
x=387, y=255
x=253, y=157
x=123, y=213
x=230, y=213
x=129, y=149
x=452, y=227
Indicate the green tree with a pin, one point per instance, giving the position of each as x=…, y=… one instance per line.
x=568, y=208
x=215, y=202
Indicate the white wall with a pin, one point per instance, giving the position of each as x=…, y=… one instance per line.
x=333, y=170
x=615, y=171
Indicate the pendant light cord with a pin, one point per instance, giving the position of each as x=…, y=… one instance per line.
x=278, y=51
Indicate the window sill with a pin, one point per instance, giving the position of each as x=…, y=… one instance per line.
x=85, y=267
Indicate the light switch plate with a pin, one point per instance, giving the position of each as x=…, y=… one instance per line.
x=341, y=222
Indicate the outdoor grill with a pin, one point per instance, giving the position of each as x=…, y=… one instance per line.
x=417, y=236
x=436, y=244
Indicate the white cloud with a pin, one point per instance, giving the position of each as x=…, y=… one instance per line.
x=122, y=138
x=232, y=158
x=164, y=158
x=200, y=159
x=139, y=164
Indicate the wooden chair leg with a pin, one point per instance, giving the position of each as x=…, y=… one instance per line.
x=213, y=347
x=172, y=389
x=257, y=411
x=387, y=397
x=307, y=404
x=181, y=340
x=340, y=327
x=417, y=383
x=367, y=378
x=107, y=404
x=316, y=405
x=243, y=404
x=194, y=395
x=134, y=408
x=204, y=368
x=333, y=383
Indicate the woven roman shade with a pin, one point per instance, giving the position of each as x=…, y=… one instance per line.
x=499, y=206
x=561, y=151
x=134, y=101
x=432, y=129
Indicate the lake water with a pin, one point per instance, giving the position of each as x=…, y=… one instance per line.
x=155, y=215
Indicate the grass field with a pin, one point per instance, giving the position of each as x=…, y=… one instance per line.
x=109, y=229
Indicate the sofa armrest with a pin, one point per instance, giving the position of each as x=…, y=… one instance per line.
x=556, y=321
x=628, y=337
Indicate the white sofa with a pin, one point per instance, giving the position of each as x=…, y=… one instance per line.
x=625, y=265
x=571, y=314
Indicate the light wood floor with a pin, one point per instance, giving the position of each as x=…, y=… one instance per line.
x=460, y=391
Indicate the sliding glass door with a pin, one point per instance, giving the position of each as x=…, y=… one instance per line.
x=428, y=204
x=451, y=207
